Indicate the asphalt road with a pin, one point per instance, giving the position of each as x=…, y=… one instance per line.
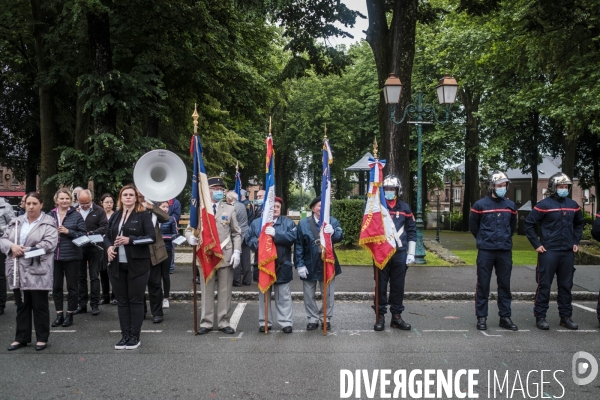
x=80, y=361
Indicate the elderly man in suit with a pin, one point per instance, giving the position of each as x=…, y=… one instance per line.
x=231, y=244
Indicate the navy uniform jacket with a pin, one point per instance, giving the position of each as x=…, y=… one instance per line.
x=493, y=222
x=285, y=235
x=402, y=216
x=561, y=224
x=307, y=253
x=596, y=228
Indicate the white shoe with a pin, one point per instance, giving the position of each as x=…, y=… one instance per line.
x=165, y=303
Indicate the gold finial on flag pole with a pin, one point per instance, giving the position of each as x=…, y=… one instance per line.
x=325, y=130
x=375, y=148
x=195, y=116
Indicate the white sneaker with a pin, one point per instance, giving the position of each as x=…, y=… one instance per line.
x=165, y=303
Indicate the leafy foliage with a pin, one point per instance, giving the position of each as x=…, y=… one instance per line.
x=350, y=214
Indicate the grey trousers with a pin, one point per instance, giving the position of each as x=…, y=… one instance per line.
x=224, y=283
x=314, y=314
x=283, y=305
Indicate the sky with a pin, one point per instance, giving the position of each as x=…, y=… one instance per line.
x=361, y=24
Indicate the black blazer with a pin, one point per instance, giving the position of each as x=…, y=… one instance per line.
x=96, y=221
x=138, y=226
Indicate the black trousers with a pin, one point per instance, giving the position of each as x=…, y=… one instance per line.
x=165, y=267
x=394, y=273
x=155, y=292
x=92, y=259
x=243, y=274
x=598, y=307
x=105, y=285
x=34, y=302
x=550, y=263
x=2, y=281
x=129, y=292
x=501, y=261
x=70, y=271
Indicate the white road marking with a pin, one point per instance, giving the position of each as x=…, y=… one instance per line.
x=445, y=330
x=484, y=333
x=143, y=331
x=506, y=330
x=584, y=307
x=229, y=337
x=577, y=331
x=237, y=315
x=61, y=331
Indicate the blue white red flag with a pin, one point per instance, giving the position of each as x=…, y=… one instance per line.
x=267, y=252
x=202, y=218
x=327, y=254
x=238, y=183
x=377, y=234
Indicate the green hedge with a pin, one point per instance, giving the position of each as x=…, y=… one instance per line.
x=350, y=214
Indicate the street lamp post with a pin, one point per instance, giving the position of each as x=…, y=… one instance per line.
x=593, y=200
x=437, y=224
x=446, y=91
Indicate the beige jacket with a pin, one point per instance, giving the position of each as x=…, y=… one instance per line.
x=158, y=251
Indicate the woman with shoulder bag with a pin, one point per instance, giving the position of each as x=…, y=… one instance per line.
x=29, y=232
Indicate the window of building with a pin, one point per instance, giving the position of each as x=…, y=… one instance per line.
x=457, y=195
x=447, y=194
x=518, y=195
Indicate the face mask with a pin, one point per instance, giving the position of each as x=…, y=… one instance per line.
x=562, y=192
x=501, y=192
x=217, y=195
x=260, y=201
x=390, y=195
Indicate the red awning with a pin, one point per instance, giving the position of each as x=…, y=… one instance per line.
x=12, y=194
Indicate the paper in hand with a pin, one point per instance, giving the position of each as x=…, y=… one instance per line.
x=34, y=253
x=80, y=241
x=179, y=240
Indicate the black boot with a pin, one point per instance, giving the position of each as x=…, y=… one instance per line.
x=506, y=323
x=379, y=326
x=398, y=323
x=481, y=323
x=80, y=310
x=59, y=320
x=68, y=320
x=542, y=324
x=568, y=323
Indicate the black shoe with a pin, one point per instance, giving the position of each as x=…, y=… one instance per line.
x=95, y=310
x=59, y=320
x=157, y=320
x=311, y=327
x=235, y=284
x=203, y=331
x=568, y=323
x=123, y=342
x=197, y=280
x=68, y=320
x=481, y=323
x=261, y=329
x=16, y=346
x=506, y=323
x=398, y=322
x=133, y=343
x=228, y=330
x=80, y=310
x=542, y=324
x=328, y=326
x=40, y=347
x=379, y=326
x=287, y=329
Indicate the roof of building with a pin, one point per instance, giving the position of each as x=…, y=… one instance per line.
x=546, y=169
x=362, y=164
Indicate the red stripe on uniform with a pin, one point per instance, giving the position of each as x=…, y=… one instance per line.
x=493, y=211
x=401, y=213
x=558, y=209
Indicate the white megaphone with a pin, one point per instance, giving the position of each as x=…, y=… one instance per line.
x=160, y=175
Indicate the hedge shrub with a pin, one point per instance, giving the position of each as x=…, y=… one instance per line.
x=350, y=214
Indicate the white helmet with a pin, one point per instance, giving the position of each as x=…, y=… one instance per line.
x=393, y=181
x=495, y=178
x=559, y=178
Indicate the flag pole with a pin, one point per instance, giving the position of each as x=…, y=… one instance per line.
x=268, y=292
x=194, y=248
x=324, y=274
x=375, y=266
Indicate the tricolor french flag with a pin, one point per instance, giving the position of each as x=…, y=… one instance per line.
x=325, y=217
x=267, y=252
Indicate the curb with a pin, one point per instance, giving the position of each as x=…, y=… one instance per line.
x=368, y=296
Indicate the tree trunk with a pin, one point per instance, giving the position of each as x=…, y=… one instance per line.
x=48, y=134
x=99, y=36
x=82, y=122
x=394, y=49
x=472, y=191
x=151, y=126
x=569, y=159
x=534, y=156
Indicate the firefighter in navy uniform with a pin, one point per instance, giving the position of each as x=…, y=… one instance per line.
x=493, y=221
x=395, y=270
x=596, y=235
x=560, y=226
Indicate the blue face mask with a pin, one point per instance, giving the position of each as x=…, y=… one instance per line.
x=389, y=195
x=501, y=192
x=562, y=192
x=217, y=195
x=260, y=201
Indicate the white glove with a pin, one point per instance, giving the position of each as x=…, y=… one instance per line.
x=410, y=258
x=302, y=272
x=329, y=229
x=235, y=259
x=269, y=230
x=193, y=241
